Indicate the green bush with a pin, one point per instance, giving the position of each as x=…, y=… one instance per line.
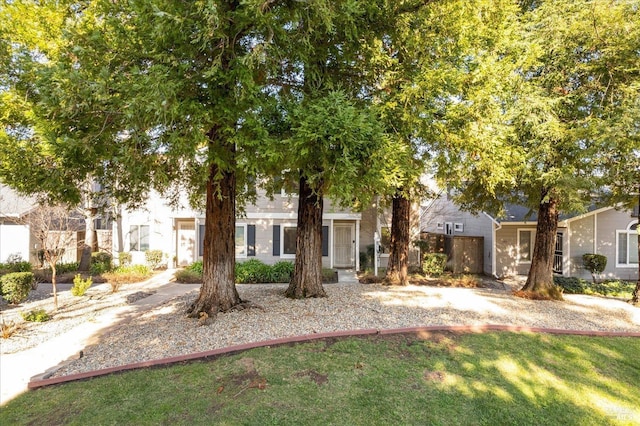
x=100, y=263
x=133, y=269
x=124, y=258
x=329, y=275
x=571, y=285
x=64, y=267
x=15, y=286
x=434, y=263
x=80, y=286
x=253, y=271
x=281, y=272
x=37, y=315
x=154, y=258
x=196, y=267
x=594, y=263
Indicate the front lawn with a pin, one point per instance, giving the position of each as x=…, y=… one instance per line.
x=443, y=378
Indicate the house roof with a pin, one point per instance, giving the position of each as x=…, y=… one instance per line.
x=13, y=204
x=520, y=214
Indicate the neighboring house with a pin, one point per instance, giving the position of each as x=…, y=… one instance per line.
x=266, y=231
x=508, y=241
x=15, y=237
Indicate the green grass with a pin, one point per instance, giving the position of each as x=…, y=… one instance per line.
x=444, y=378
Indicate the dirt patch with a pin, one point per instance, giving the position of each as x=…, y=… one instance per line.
x=314, y=376
x=434, y=376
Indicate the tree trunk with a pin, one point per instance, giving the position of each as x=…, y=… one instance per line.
x=89, y=240
x=540, y=278
x=218, y=291
x=397, y=268
x=307, y=275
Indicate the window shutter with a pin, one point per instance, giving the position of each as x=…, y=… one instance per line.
x=325, y=241
x=251, y=240
x=276, y=240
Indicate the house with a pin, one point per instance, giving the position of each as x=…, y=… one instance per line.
x=265, y=231
x=508, y=241
x=15, y=235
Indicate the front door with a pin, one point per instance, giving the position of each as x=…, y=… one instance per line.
x=344, y=245
x=557, y=255
x=186, y=243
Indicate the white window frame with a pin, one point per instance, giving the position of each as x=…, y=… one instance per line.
x=245, y=246
x=458, y=227
x=631, y=236
x=137, y=231
x=284, y=255
x=439, y=225
x=531, y=244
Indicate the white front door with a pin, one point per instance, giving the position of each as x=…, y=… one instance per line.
x=186, y=243
x=344, y=245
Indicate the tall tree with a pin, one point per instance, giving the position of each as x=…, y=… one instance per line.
x=330, y=132
x=146, y=95
x=536, y=94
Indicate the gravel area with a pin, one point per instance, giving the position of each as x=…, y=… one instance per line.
x=164, y=331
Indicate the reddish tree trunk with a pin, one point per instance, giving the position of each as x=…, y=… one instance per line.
x=540, y=278
x=307, y=276
x=218, y=291
x=397, y=268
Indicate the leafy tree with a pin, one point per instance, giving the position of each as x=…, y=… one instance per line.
x=560, y=68
x=329, y=133
x=144, y=95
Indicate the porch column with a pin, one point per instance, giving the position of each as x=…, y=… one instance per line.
x=330, y=242
x=357, y=245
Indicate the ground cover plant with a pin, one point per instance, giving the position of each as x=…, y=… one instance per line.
x=440, y=378
x=609, y=288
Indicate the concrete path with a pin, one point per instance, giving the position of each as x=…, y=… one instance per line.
x=16, y=370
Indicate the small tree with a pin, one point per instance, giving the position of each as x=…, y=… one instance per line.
x=594, y=263
x=55, y=227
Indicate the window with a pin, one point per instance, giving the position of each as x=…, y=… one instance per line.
x=288, y=241
x=385, y=240
x=458, y=227
x=627, y=246
x=241, y=240
x=440, y=225
x=139, y=238
x=525, y=245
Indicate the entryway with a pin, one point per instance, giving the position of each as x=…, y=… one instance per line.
x=186, y=249
x=344, y=245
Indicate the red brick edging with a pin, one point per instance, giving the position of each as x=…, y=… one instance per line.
x=36, y=383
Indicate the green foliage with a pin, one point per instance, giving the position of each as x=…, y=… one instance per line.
x=610, y=288
x=329, y=275
x=253, y=271
x=80, y=286
x=154, y=258
x=65, y=267
x=126, y=275
x=15, y=286
x=434, y=263
x=100, y=263
x=594, y=263
x=36, y=315
x=196, y=267
x=15, y=265
x=281, y=272
x=124, y=258
x=133, y=269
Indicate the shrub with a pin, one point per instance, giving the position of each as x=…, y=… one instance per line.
x=65, y=267
x=80, y=286
x=100, y=263
x=126, y=275
x=187, y=276
x=124, y=258
x=37, y=315
x=8, y=329
x=434, y=263
x=154, y=258
x=571, y=285
x=15, y=286
x=594, y=263
x=196, y=267
x=252, y=271
x=329, y=275
x=281, y=272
